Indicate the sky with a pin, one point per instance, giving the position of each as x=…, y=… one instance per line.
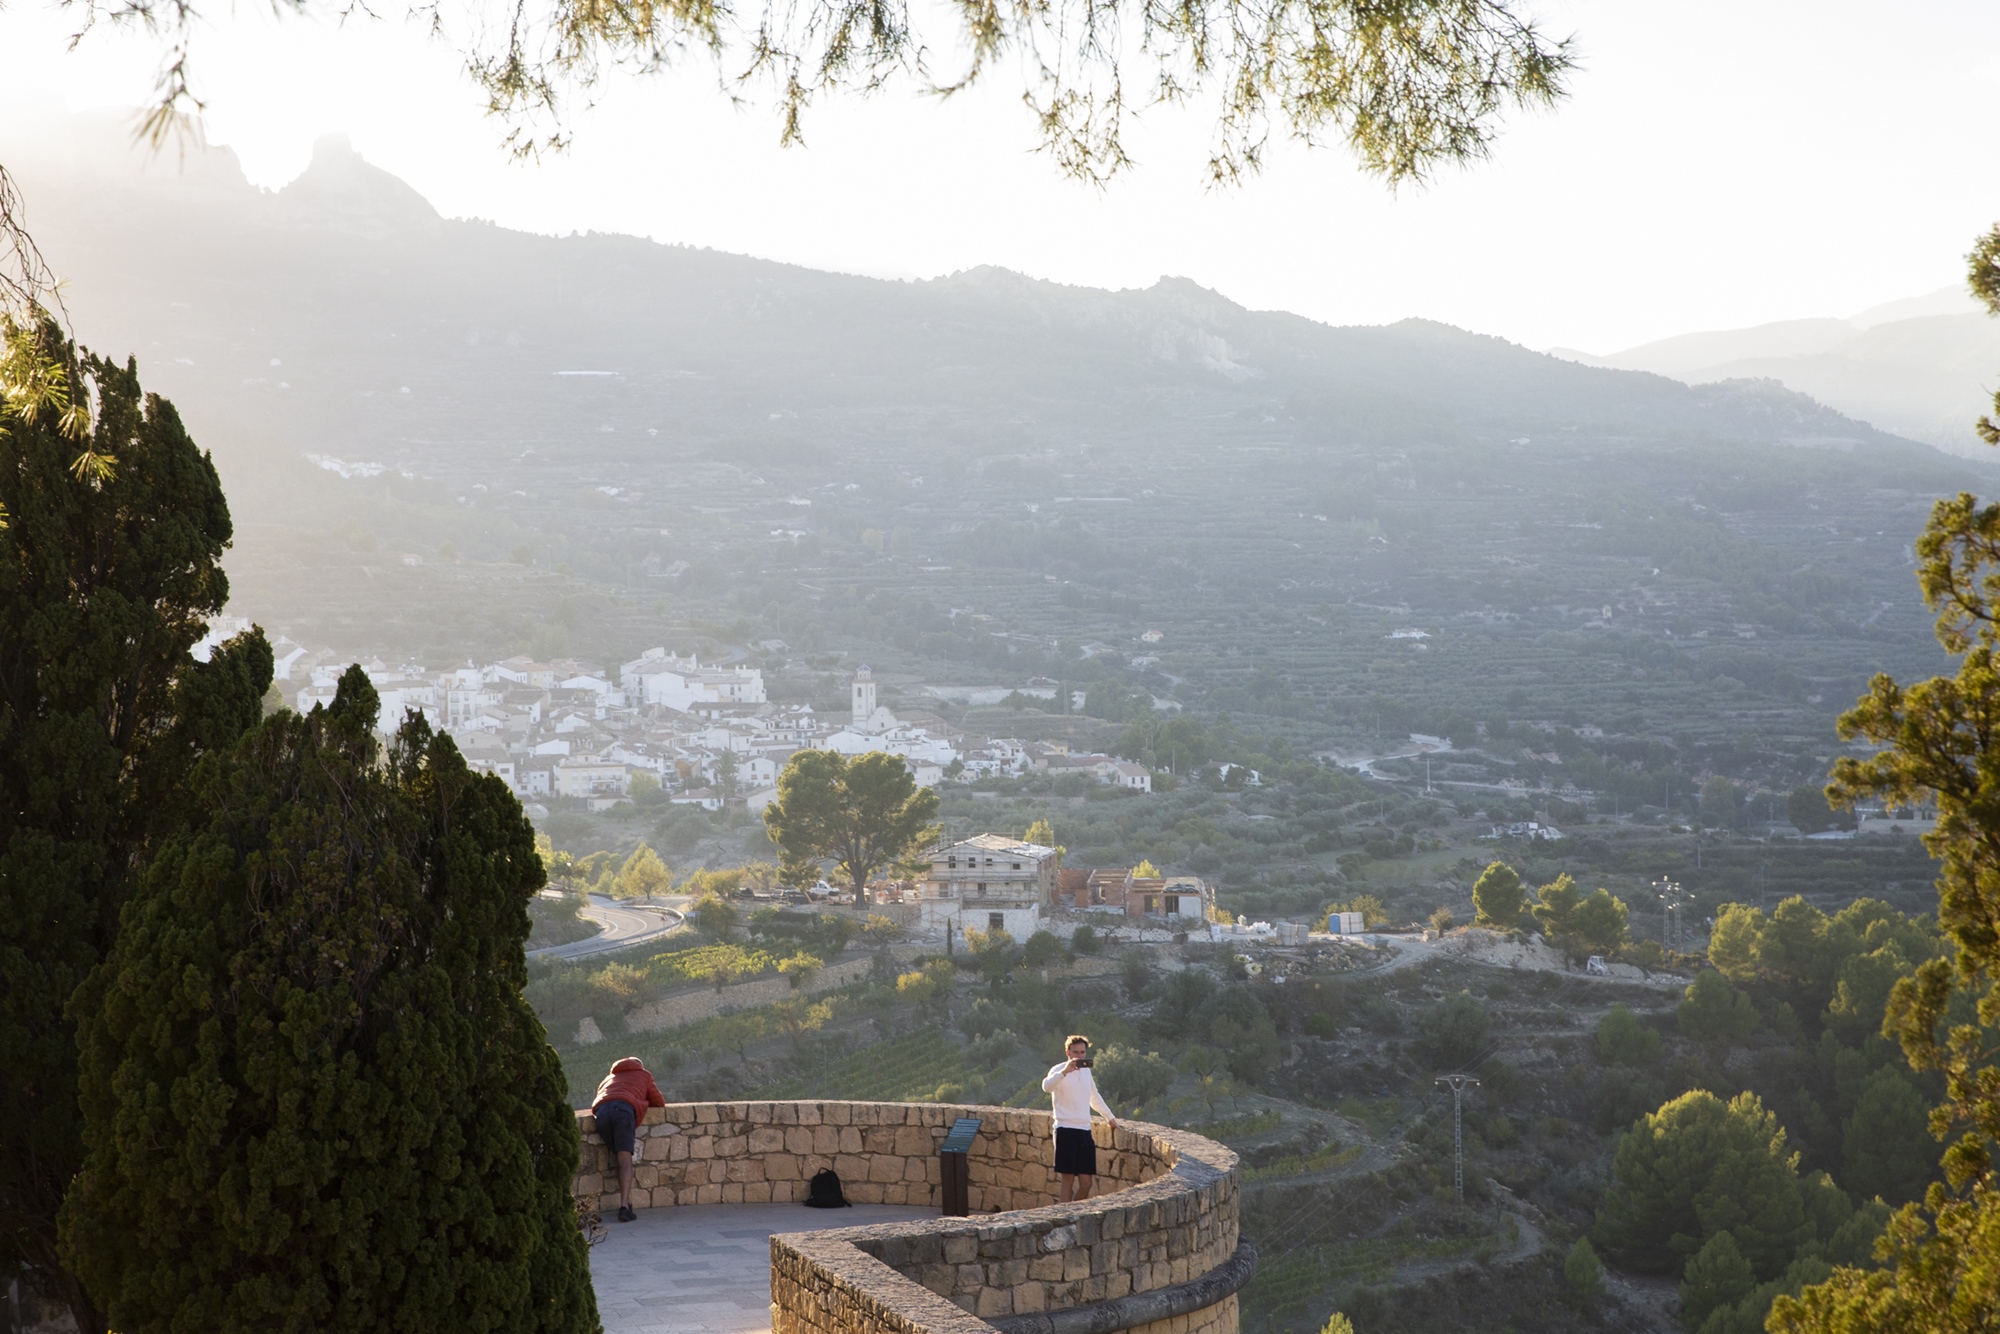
x=1717, y=165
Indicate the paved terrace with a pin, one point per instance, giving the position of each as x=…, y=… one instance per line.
x=706, y=1268
x=723, y=1246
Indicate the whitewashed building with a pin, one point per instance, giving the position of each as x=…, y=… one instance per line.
x=668, y=680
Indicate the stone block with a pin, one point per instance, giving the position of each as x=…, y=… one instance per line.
x=781, y=1167
x=745, y=1169
x=767, y=1139
x=851, y=1140
x=994, y=1301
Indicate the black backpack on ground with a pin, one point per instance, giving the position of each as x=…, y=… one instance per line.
x=824, y=1192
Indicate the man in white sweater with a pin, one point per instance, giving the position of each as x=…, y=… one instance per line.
x=1074, y=1092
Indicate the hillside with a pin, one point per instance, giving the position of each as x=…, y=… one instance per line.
x=445, y=438
x=1923, y=367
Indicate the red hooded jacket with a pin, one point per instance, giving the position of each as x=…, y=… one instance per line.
x=630, y=1084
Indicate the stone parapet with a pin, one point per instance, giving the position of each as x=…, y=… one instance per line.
x=1165, y=1218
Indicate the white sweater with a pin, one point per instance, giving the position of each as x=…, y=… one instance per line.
x=1074, y=1093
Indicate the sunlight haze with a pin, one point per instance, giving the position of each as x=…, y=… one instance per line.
x=1716, y=166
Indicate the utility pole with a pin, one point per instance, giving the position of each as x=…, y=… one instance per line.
x=1457, y=1084
x=1671, y=898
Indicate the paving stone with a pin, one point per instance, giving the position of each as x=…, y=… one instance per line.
x=706, y=1268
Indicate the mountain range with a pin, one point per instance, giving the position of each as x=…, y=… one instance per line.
x=1924, y=367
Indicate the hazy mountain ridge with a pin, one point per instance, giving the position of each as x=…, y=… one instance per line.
x=346, y=288
x=1924, y=367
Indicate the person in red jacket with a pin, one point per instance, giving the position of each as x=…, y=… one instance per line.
x=620, y=1104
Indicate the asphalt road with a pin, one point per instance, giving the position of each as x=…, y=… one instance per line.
x=624, y=924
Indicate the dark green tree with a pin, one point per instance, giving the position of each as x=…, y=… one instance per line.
x=1580, y=924
x=1623, y=1040
x=1498, y=896
x=1808, y=811
x=110, y=555
x=1716, y=1277
x=1712, y=1009
x=314, y=1096
x=1696, y=1167
x=1887, y=1149
x=1582, y=1270
x=1454, y=1030
x=862, y=815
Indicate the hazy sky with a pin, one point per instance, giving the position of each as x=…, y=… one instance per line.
x=1719, y=164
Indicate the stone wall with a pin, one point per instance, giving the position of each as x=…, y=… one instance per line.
x=885, y=1153
x=1165, y=1215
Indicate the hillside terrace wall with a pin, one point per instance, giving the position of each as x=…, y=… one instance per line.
x=696, y=1003
x=1163, y=1226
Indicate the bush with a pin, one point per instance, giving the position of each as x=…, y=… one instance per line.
x=1582, y=1270
x=985, y=1016
x=1043, y=950
x=713, y=916
x=994, y=1047
x=1453, y=1032
x=1322, y=1025
x=1085, y=941
x=1623, y=1040
x=1130, y=1078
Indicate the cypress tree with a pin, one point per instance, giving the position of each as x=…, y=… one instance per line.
x=314, y=1096
x=114, y=526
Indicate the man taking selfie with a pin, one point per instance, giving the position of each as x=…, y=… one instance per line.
x=1073, y=1090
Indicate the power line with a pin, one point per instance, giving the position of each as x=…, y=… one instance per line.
x=1457, y=1084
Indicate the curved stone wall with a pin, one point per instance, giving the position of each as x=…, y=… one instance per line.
x=1156, y=1250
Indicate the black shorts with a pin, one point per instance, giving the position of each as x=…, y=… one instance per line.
x=616, y=1123
x=1076, y=1153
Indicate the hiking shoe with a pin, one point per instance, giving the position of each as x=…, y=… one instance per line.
x=625, y=1214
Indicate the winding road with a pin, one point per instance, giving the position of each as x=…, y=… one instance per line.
x=624, y=924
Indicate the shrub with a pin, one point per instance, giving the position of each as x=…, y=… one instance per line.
x=1085, y=940
x=1582, y=1270
x=1623, y=1040
x=1453, y=1032
x=994, y=1047
x=1042, y=950
x=1130, y=1078
x=713, y=916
